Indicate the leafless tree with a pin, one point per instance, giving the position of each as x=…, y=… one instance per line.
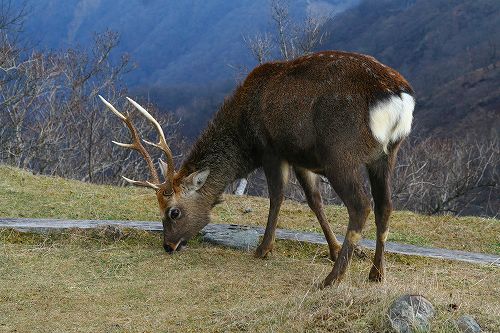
x=288, y=39
x=459, y=176
x=311, y=34
x=260, y=45
x=50, y=118
x=281, y=18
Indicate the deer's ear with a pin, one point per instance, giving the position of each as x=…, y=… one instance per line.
x=196, y=180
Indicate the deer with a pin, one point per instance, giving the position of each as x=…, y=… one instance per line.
x=333, y=114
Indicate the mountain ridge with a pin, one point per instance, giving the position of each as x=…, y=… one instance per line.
x=447, y=50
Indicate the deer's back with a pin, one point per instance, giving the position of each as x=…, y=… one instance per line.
x=321, y=104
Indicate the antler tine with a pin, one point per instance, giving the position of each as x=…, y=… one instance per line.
x=112, y=108
x=162, y=144
x=141, y=183
x=136, y=145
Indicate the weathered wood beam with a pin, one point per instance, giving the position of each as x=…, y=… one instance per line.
x=44, y=225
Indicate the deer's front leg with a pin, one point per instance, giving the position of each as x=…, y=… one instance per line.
x=276, y=172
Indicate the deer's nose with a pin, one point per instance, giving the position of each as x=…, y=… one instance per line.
x=171, y=247
x=168, y=248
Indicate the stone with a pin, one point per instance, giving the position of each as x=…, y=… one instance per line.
x=236, y=237
x=411, y=314
x=247, y=210
x=467, y=324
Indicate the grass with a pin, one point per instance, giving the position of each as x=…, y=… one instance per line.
x=24, y=195
x=86, y=281
x=100, y=281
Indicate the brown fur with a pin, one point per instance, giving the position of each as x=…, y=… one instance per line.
x=311, y=113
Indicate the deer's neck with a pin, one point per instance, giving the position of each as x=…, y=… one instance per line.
x=223, y=149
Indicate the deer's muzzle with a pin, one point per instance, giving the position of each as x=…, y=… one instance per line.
x=171, y=247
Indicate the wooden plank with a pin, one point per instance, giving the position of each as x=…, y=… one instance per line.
x=44, y=225
x=35, y=225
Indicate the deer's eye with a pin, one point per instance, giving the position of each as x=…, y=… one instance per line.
x=174, y=213
x=167, y=193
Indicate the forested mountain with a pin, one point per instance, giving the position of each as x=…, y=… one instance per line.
x=187, y=51
x=449, y=51
x=173, y=42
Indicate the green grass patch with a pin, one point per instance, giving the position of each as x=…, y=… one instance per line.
x=23, y=194
x=409, y=239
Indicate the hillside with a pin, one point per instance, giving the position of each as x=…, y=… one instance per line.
x=187, y=52
x=447, y=49
x=23, y=194
x=95, y=281
x=173, y=42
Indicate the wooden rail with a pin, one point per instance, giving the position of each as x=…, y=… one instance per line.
x=44, y=225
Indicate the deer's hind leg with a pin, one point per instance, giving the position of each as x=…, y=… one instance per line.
x=276, y=172
x=347, y=183
x=380, y=173
x=310, y=183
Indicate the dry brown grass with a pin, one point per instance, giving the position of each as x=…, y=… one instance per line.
x=87, y=282
x=83, y=281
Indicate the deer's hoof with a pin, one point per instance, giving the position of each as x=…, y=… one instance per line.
x=376, y=274
x=262, y=251
x=327, y=282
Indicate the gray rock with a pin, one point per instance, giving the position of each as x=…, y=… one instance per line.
x=411, y=314
x=467, y=324
x=236, y=237
x=247, y=210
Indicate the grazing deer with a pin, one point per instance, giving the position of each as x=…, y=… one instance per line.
x=330, y=113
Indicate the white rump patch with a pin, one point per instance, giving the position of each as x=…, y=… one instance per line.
x=390, y=119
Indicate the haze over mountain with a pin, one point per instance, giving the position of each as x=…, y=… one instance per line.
x=447, y=49
x=174, y=42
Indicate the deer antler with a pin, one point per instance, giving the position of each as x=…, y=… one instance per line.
x=168, y=168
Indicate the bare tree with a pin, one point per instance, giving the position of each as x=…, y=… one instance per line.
x=260, y=45
x=288, y=39
x=311, y=34
x=281, y=18
x=50, y=118
x=459, y=176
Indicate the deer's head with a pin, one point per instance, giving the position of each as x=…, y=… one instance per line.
x=183, y=210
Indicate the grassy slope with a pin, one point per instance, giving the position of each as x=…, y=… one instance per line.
x=85, y=281
x=25, y=195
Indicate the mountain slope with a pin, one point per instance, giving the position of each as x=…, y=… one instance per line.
x=174, y=42
x=447, y=50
